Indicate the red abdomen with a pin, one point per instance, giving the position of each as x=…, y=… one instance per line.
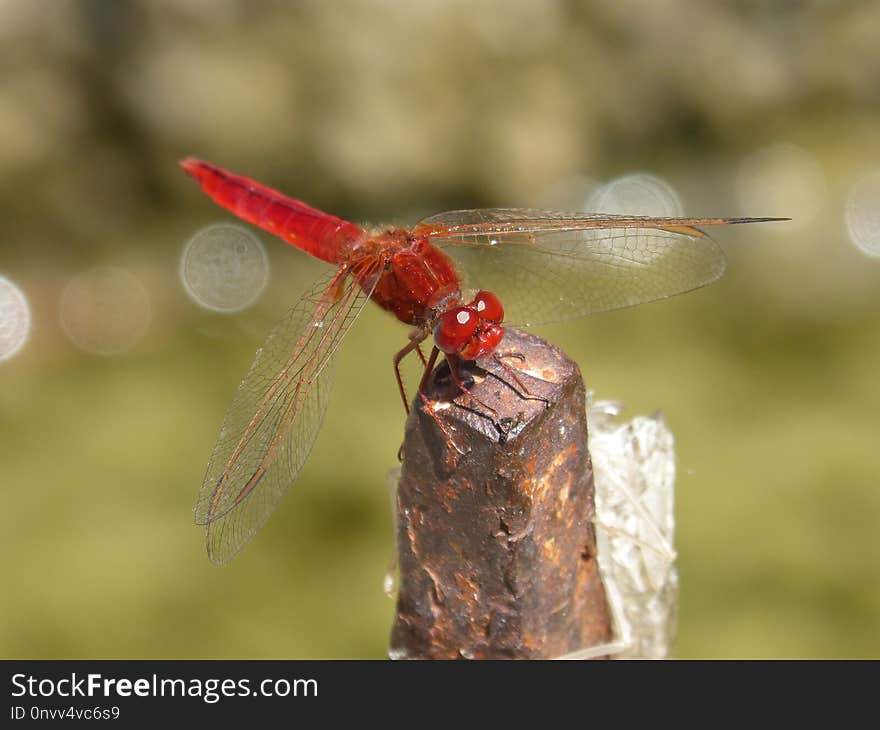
x=322, y=235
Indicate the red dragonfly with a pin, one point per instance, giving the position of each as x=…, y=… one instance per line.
x=549, y=266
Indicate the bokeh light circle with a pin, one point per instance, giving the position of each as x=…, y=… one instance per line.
x=224, y=268
x=105, y=311
x=781, y=180
x=637, y=194
x=862, y=214
x=15, y=319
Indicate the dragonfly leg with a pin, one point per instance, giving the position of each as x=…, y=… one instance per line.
x=453, y=369
x=504, y=425
x=429, y=406
x=521, y=390
x=415, y=340
x=429, y=368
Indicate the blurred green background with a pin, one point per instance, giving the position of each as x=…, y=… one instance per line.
x=388, y=111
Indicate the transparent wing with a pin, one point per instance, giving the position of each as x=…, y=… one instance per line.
x=487, y=221
x=548, y=266
x=276, y=414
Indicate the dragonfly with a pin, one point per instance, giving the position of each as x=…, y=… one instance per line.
x=533, y=267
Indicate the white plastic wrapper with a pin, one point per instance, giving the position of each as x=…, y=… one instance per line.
x=390, y=583
x=634, y=472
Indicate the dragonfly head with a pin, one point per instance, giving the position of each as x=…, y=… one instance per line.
x=472, y=330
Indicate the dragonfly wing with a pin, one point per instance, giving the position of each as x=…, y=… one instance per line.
x=462, y=224
x=550, y=267
x=276, y=414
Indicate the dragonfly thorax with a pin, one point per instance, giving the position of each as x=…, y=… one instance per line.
x=417, y=280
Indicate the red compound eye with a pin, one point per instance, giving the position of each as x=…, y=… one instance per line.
x=455, y=328
x=488, y=306
x=483, y=343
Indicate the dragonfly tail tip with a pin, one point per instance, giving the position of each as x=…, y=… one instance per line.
x=190, y=166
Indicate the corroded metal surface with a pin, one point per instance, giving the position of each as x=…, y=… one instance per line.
x=496, y=544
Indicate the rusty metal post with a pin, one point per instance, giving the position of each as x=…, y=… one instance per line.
x=497, y=551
